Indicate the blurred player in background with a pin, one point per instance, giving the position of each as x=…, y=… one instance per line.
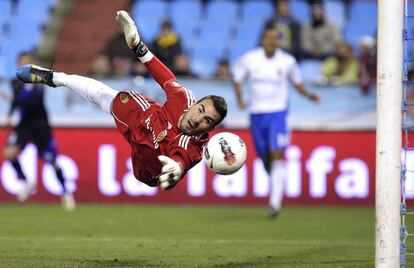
x=166, y=140
x=268, y=70
x=33, y=127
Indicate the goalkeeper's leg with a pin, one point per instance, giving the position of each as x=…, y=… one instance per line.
x=90, y=89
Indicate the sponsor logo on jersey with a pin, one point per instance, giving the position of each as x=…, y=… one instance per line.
x=124, y=98
x=154, y=138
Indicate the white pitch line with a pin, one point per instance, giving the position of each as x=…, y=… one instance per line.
x=194, y=241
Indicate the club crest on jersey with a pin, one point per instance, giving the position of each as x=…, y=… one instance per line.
x=162, y=135
x=124, y=98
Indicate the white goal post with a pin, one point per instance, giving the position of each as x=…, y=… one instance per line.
x=388, y=143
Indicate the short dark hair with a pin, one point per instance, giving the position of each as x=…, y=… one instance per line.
x=269, y=27
x=24, y=54
x=166, y=24
x=219, y=104
x=223, y=61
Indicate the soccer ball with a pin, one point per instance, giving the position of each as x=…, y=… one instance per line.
x=225, y=153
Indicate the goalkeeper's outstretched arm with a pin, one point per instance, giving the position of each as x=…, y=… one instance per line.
x=158, y=70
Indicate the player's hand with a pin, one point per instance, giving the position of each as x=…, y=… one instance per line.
x=242, y=105
x=5, y=96
x=130, y=29
x=313, y=97
x=170, y=173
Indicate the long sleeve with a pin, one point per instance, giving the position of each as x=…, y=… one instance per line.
x=159, y=71
x=188, y=151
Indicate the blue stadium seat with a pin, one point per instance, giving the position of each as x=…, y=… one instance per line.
x=149, y=14
x=363, y=11
x=2, y=62
x=5, y=13
x=250, y=30
x=209, y=48
x=185, y=16
x=148, y=28
x=24, y=26
x=300, y=10
x=253, y=10
x=311, y=70
x=203, y=67
x=222, y=10
x=35, y=5
x=186, y=31
x=185, y=27
x=9, y=54
x=410, y=20
x=214, y=30
x=362, y=21
x=188, y=36
x=214, y=37
x=150, y=8
x=354, y=30
x=5, y=8
x=410, y=9
x=410, y=28
x=37, y=11
x=247, y=37
x=335, y=11
x=186, y=10
x=237, y=51
x=24, y=32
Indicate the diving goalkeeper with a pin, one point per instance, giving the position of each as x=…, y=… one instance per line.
x=166, y=140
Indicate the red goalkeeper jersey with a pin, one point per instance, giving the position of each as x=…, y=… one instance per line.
x=152, y=129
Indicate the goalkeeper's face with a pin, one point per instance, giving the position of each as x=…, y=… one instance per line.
x=200, y=118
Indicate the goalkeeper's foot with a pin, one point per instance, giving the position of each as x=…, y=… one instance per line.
x=130, y=29
x=34, y=74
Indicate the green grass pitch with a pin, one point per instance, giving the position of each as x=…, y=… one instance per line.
x=102, y=235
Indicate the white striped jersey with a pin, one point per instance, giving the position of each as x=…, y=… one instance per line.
x=267, y=79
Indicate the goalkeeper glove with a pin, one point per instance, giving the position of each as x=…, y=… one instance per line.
x=130, y=30
x=170, y=173
x=132, y=37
